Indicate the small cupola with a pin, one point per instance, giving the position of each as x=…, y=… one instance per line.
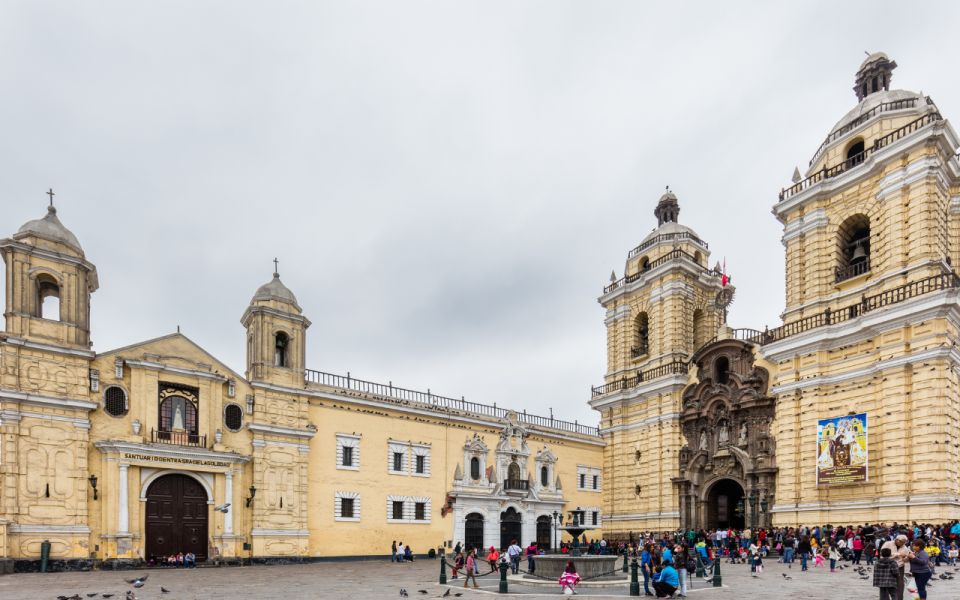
x=874, y=75
x=667, y=208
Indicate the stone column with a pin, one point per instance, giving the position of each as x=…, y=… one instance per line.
x=123, y=513
x=228, y=501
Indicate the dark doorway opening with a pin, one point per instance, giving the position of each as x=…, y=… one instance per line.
x=544, y=533
x=473, y=532
x=510, y=527
x=725, y=505
x=176, y=519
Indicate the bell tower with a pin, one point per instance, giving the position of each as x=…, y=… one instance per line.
x=49, y=283
x=658, y=314
x=276, y=335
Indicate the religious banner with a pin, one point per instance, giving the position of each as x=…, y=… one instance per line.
x=842, y=450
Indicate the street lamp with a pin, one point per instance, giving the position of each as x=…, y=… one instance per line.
x=555, y=515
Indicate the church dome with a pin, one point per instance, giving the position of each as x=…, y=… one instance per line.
x=51, y=229
x=275, y=290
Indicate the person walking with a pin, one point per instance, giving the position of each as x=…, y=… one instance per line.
x=857, y=549
x=513, y=554
x=492, y=558
x=646, y=567
x=471, y=571
x=920, y=569
x=531, y=558
x=804, y=549
x=834, y=555
x=870, y=551
x=400, y=552
x=393, y=551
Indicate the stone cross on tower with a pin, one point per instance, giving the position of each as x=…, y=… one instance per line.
x=276, y=267
x=51, y=194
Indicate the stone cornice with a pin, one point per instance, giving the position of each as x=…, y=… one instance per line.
x=647, y=422
x=48, y=401
x=166, y=451
x=663, y=385
x=280, y=430
x=155, y=366
x=681, y=264
x=23, y=343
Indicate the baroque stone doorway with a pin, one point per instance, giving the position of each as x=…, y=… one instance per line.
x=511, y=523
x=176, y=518
x=729, y=454
x=725, y=505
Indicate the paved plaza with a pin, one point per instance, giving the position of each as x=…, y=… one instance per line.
x=374, y=580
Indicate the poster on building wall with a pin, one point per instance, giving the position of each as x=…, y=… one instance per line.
x=842, y=450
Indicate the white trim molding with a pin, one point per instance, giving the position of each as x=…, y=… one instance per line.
x=352, y=441
x=337, y=505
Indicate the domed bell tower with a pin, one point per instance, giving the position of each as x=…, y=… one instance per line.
x=276, y=335
x=49, y=283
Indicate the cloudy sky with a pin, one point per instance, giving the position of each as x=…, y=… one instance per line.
x=447, y=185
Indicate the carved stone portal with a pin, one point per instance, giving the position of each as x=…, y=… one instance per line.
x=727, y=467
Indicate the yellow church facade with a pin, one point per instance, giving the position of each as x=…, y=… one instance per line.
x=158, y=448
x=847, y=412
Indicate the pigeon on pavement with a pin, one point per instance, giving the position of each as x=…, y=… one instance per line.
x=138, y=582
x=164, y=590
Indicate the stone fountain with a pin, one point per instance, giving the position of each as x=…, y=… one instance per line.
x=588, y=566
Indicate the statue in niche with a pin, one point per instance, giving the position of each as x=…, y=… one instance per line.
x=703, y=440
x=743, y=435
x=723, y=438
x=178, y=424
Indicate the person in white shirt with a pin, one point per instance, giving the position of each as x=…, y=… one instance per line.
x=514, y=552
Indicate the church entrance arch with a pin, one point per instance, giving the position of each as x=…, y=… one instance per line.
x=725, y=505
x=543, y=532
x=473, y=531
x=176, y=517
x=729, y=454
x=510, y=527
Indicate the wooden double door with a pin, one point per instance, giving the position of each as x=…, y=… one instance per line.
x=176, y=519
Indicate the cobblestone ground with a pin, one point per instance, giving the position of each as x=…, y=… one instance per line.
x=375, y=580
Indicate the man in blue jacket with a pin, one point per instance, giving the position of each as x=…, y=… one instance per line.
x=667, y=581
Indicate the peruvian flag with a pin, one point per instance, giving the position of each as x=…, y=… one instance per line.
x=724, y=278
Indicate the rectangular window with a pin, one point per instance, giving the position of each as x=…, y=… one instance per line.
x=347, y=456
x=397, y=510
x=346, y=508
x=596, y=481
x=420, y=511
x=421, y=464
x=595, y=515
x=398, y=461
x=583, y=480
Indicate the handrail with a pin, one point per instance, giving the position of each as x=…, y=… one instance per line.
x=666, y=237
x=677, y=367
x=860, y=120
x=441, y=403
x=676, y=254
x=858, y=159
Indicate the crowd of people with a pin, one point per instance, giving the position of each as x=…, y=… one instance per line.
x=668, y=560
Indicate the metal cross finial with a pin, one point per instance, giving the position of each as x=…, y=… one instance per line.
x=276, y=267
x=51, y=194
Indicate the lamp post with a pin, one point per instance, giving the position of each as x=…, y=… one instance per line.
x=253, y=492
x=555, y=515
x=764, y=505
x=753, y=508
x=93, y=483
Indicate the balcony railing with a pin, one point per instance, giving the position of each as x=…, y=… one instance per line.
x=858, y=159
x=880, y=108
x=178, y=438
x=853, y=270
x=516, y=484
x=429, y=400
x=677, y=367
x=672, y=255
x=667, y=237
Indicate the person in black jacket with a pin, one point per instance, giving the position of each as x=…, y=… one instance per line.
x=804, y=549
x=886, y=576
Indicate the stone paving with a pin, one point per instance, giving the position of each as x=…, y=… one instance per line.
x=375, y=579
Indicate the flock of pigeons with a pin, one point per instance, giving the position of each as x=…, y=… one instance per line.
x=863, y=573
x=405, y=594
x=137, y=582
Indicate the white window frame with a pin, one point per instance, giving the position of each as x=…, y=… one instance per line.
x=588, y=515
x=410, y=509
x=338, y=497
x=424, y=451
x=409, y=450
x=396, y=448
x=588, y=473
x=346, y=440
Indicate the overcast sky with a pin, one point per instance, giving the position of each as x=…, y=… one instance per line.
x=447, y=185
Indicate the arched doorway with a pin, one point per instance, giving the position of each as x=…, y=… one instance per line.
x=473, y=531
x=176, y=519
x=510, y=527
x=544, y=540
x=725, y=505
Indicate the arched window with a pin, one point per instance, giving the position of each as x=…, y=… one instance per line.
x=643, y=264
x=233, y=417
x=722, y=370
x=853, y=242
x=281, y=349
x=544, y=476
x=178, y=414
x=474, y=468
x=641, y=339
x=855, y=153
x=513, y=472
x=48, y=298
x=115, y=401
x=697, y=257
